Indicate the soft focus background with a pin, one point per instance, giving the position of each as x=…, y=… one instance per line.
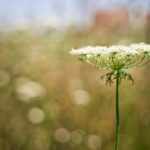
x=49, y=100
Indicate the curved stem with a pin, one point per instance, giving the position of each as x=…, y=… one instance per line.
x=117, y=113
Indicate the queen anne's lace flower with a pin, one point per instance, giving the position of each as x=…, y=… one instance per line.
x=115, y=57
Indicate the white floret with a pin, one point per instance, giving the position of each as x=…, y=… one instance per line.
x=88, y=50
x=141, y=47
x=123, y=49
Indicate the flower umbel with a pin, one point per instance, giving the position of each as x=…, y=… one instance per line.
x=114, y=58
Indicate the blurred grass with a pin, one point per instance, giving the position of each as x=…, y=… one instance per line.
x=75, y=98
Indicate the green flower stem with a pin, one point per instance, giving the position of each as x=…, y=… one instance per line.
x=117, y=112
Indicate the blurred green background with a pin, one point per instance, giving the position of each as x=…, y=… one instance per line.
x=49, y=100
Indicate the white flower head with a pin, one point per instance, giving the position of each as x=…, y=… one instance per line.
x=115, y=57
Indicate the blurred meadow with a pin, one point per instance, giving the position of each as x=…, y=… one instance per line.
x=49, y=100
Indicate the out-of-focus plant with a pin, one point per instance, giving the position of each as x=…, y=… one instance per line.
x=116, y=59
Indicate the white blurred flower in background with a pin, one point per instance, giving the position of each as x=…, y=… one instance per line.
x=81, y=97
x=76, y=138
x=62, y=135
x=94, y=142
x=26, y=89
x=36, y=115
